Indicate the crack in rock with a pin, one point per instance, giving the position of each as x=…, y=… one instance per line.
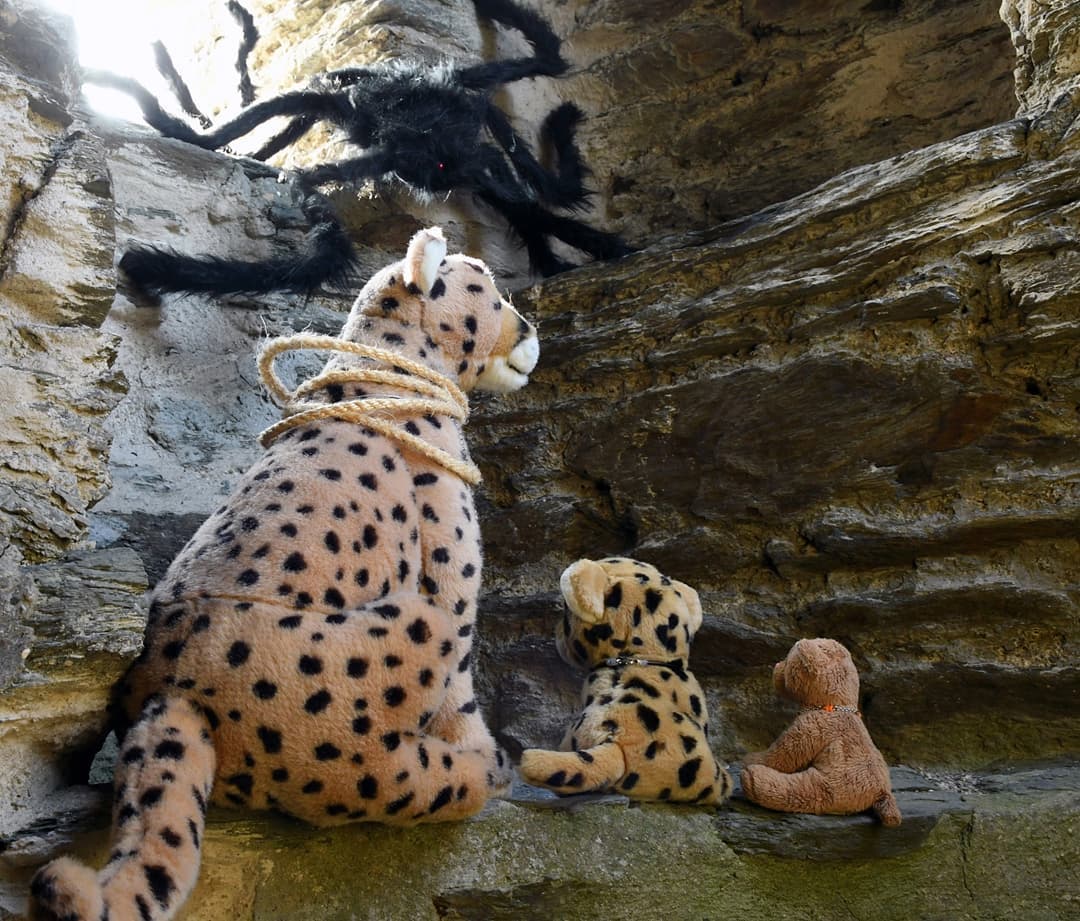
x=58, y=151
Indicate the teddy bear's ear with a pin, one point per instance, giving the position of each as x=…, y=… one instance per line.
x=693, y=605
x=583, y=586
x=427, y=249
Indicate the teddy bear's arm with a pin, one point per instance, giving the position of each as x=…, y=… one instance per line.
x=796, y=748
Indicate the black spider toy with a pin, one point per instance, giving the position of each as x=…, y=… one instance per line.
x=434, y=129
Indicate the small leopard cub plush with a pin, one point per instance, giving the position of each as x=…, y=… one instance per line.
x=644, y=727
x=309, y=650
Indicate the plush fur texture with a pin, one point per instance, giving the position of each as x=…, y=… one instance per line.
x=433, y=129
x=309, y=649
x=643, y=729
x=825, y=761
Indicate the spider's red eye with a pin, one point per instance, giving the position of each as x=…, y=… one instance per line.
x=441, y=165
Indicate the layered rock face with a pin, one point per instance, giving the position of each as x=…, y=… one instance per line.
x=837, y=390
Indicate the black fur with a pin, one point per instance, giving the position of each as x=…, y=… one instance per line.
x=326, y=258
x=248, y=40
x=434, y=129
x=176, y=83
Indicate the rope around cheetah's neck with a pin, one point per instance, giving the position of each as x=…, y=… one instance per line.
x=438, y=396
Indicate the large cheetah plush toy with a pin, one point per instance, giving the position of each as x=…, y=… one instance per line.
x=308, y=650
x=643, y=729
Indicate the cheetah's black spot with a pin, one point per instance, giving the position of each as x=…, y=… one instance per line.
x=419, y=631
x=327, y=752
x=270, y=738
x=400, y=803
x=294, y=562
x=310, y=665
x=318, y=701
x=238, y=653
x=160, y=882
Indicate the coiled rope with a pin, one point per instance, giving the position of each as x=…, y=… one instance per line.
x=438, y=396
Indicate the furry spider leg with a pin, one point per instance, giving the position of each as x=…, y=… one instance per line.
x=326, y=257
x=292, y=133
x=179, y=88
x=566, y=189
x=533, y=223
x=547, y=60
x=298, y=127
x=330, y=106
x=529, y=220
x=250, y=37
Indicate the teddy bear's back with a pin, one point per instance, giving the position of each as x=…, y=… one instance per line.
x=849, y=757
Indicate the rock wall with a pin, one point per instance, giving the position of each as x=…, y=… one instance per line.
x=837, y=390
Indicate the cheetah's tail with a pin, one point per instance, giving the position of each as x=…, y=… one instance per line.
x=163, y=779
x=887, y=810
x=596, y=768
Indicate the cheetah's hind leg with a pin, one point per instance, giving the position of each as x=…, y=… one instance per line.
x=163, y=778
x=596, y=768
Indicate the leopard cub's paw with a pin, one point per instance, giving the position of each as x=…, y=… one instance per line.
x=500, y=775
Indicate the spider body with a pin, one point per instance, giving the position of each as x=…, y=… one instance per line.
x=433, y=128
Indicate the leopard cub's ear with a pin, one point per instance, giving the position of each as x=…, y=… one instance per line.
x=693, y=605
x=427, y=249
x=583, y=585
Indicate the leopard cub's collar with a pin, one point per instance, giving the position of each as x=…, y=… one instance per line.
x=832, y=708
x=623, y=661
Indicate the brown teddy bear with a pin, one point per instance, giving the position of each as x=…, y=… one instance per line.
x=643, y=726
x=825, y=762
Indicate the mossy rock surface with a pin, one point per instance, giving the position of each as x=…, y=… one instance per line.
x=972, y=846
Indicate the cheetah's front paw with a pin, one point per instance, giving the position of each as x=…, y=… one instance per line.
x=66, y=889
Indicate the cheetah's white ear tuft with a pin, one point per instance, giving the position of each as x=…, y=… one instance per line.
x=583, y=586
x=427, y=249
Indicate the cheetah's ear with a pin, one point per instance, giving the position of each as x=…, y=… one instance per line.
x=427, y=249
x=583, y=586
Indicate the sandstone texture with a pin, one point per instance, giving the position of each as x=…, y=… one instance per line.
x=837, y=390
